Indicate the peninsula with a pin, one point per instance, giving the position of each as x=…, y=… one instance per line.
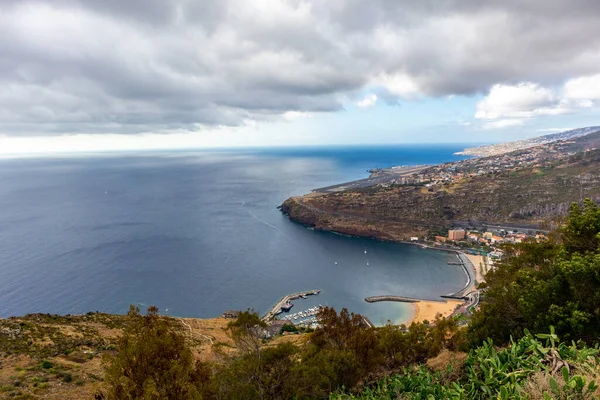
x=523, y=191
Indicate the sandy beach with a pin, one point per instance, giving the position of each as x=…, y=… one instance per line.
x=479, y=265
x=427, y=310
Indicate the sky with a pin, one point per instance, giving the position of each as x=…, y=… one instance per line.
x=151, y=74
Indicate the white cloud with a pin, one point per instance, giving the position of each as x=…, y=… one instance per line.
x=585, y=90
x=368, y=101
x=294, y=115
x=523, y=100
x=398, y=84
x=511, y=105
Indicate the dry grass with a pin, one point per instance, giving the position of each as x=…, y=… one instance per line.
x=445, y=358
x=539, y=384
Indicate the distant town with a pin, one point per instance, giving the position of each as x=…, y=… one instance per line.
x=540, y=156
x=487, y=244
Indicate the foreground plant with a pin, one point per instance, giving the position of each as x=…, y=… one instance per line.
x=489, y=373
x=153, y=361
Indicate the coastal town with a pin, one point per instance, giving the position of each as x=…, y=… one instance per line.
x=541, y=156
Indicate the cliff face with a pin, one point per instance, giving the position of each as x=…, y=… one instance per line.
x=305, y=212
x=523, y=198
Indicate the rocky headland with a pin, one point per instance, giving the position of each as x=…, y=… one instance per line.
x=530, y=195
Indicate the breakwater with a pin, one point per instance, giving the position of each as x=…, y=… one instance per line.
x=375, y=299
x=276, y=309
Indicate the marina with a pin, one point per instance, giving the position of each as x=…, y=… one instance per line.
x=285, y=304
x=311, y=312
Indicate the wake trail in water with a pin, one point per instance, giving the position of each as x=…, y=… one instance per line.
x=267, y=223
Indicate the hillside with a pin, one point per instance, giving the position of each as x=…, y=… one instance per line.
x=525, y=197
x=502, y=148
x=60, y=357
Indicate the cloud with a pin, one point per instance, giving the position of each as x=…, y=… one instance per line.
x=510, y=105
x=524, y=100
x=294, y=115
x=110, y=66
x=585, y=90
x=368, y=102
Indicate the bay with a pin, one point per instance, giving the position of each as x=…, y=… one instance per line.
x=198, y=232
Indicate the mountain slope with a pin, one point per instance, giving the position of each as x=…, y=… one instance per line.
x=501, y=148
x=523, y=198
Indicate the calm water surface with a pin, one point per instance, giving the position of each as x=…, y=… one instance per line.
x=196, y=233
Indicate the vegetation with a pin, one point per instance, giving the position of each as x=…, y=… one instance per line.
x=528, y=368
x=153, y=361
x=552, y=283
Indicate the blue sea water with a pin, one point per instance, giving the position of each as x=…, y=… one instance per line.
x=198, y=232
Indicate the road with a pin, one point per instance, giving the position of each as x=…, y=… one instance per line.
x=490, y=225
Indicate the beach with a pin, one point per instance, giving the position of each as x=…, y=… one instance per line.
x=479, y=265
x=427, y=310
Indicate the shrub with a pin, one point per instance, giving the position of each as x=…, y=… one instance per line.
x=153, y=361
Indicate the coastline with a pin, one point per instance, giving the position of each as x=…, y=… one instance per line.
x=426, y=310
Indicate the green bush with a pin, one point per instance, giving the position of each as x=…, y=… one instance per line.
x=495, y=373
x=551, y=283
x=153, y=361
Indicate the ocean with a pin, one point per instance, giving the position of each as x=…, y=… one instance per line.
x=198, y=232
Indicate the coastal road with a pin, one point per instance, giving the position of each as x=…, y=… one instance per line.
x=489, y=225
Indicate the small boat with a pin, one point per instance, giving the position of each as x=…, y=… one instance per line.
x=336, y=263
x=367, y=263
x=365, y=251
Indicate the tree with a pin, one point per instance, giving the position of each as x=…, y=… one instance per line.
x=581, y=230
x=246, y=332
x=154, y=362
x=552, y=283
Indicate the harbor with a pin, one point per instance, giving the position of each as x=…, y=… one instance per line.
x=311, y=312
x=284, y=304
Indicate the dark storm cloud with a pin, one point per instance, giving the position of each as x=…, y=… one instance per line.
x=71, y=66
